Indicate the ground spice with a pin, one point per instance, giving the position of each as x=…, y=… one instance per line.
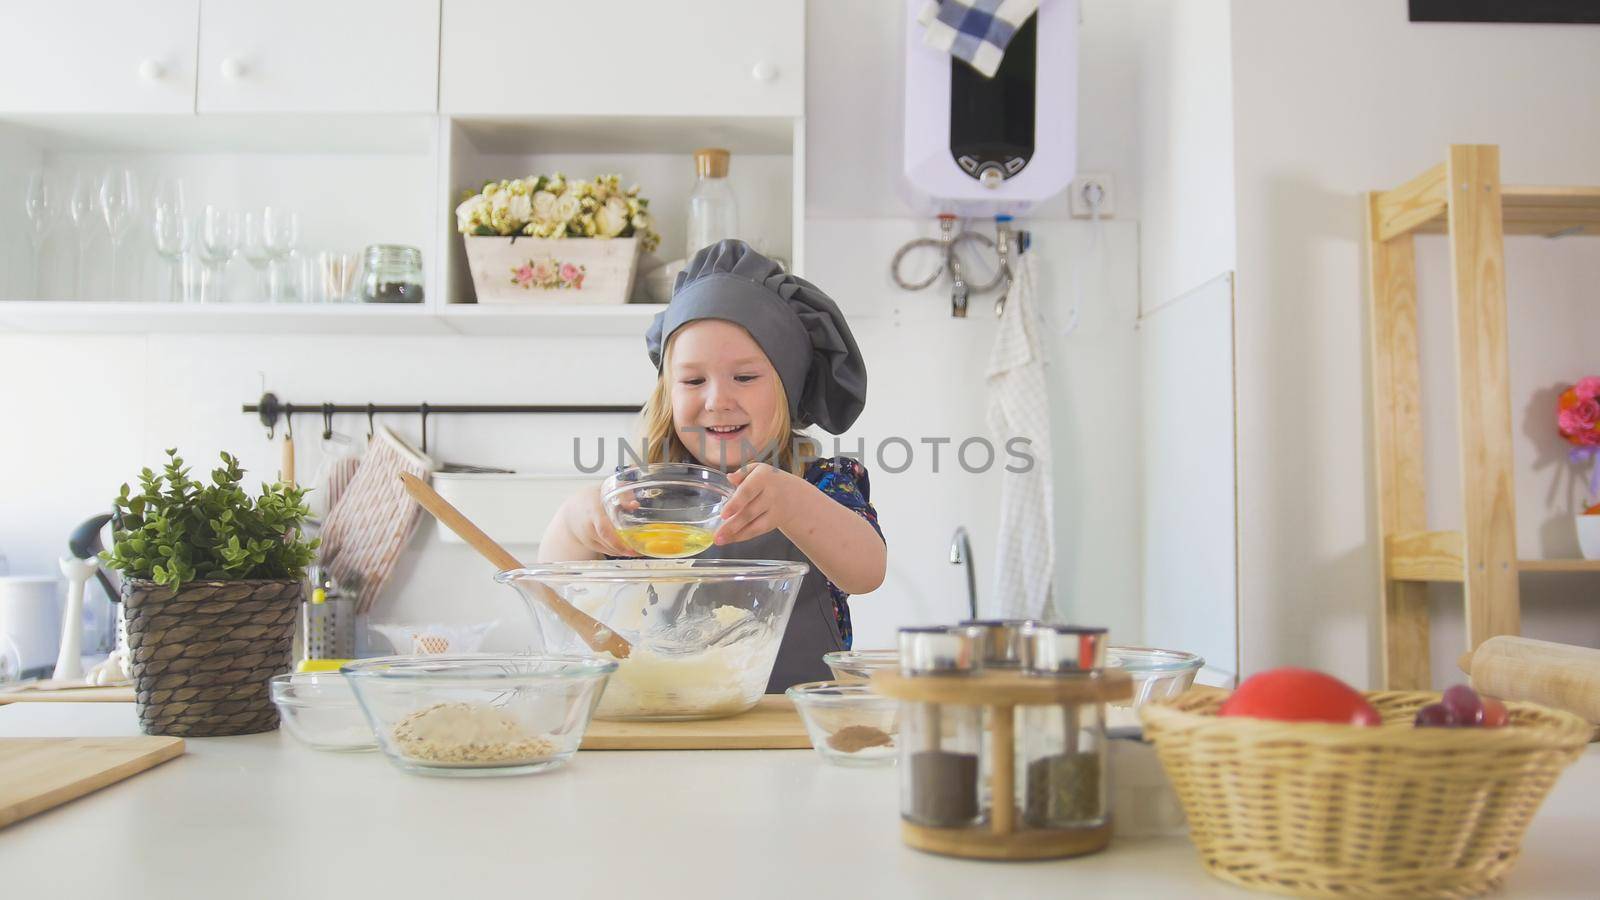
x=1063, y=790
x=855, y=738
x=467, y=734
x=944, y=788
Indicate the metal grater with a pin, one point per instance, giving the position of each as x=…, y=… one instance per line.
x=330, y=625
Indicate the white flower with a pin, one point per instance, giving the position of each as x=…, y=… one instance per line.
x=611, y=219
x=544, y=206
x=521, y=209
x=472, y=212
x=566, y=208
x=499, y=201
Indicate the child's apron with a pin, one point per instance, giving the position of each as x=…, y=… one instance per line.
x=813, y=630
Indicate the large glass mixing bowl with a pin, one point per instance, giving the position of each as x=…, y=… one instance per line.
x=704, y=632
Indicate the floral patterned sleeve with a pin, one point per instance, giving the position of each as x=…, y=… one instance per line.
x=845, y=480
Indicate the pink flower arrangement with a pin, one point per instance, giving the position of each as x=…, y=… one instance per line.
x=1578, y=413
x=548, y=275
x=1578, y=420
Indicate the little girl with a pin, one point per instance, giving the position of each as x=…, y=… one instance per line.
x=747, y=355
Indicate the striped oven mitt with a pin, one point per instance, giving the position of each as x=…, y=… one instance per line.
x=365, y=531
x=976, y=31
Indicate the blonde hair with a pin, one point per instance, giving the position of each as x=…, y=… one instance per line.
x=661, y=444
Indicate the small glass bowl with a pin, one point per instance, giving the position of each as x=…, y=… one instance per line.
x=848, y=723
x=320, y=710
x=855, y=666
x=666, y=510
x=477, y=715
x=1157, y=674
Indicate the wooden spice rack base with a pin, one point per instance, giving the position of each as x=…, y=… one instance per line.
x=978, y=842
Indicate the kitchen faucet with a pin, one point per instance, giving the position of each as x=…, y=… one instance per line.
x=961, y=555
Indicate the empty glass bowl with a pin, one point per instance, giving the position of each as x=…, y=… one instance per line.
x=849, y=724
x=1157, y=674
x=473, y=715
x=320, y=709
x=666, y=510
x=704, y=632
x=858, y=665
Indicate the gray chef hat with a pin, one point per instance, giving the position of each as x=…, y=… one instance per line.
x=798, y=326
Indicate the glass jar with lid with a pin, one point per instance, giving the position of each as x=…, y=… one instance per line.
x=713, y=209
x=1063, y=746
x=391, y=273
x=941, y=744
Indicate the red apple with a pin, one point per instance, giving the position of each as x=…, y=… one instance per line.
x=1299, y=695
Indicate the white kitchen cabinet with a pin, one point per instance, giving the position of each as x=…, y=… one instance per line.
x=98, y=56
x=623, y=57
x=318, y=56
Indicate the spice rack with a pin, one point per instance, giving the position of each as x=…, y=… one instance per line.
x=1005, y=834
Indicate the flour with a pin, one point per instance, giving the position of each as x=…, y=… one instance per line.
x=717, y=681
x=467, y=734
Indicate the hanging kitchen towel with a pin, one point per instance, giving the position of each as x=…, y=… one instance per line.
x=1019, y=407
x=976, y=31
x=367, y=529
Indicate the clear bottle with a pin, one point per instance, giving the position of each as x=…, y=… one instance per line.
x=713, y=210
x=941, y=744
x=1063, y=781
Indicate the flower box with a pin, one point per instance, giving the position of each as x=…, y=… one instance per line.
x=589, y=271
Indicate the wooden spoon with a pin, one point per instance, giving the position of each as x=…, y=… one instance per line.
x=597, y=636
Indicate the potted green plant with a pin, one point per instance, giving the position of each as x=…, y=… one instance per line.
x=213, y=581
x=555, y=239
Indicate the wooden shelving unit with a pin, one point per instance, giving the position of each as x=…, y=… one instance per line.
x=1464, y=199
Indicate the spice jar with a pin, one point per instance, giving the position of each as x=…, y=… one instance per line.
x=391, y=273
x=1063, y=746
x=941, y=743
x=1004, y=641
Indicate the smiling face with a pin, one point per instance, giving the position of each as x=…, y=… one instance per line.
x=725, y=394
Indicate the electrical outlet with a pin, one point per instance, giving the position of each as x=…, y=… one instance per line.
x=1085, y=190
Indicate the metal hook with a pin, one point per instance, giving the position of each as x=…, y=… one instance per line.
x=327, y=421
x=423, y=408
x=288, y=424
x=369, y=422
x=1002, y=249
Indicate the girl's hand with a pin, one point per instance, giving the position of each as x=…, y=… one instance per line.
x=759, y=504
x=589, y=525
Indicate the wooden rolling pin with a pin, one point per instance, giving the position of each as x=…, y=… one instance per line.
x=1559, y=676
x=597, y=636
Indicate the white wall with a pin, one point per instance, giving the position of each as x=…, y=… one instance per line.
x=1186, y=211
x=1332, y=100
x=81, y=414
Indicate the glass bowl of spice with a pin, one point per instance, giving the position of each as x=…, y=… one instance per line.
x=858, y=665
x=849, y=724
x=479, y=714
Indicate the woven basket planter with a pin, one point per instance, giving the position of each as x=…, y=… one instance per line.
x=201, y=658
x=1313, y=809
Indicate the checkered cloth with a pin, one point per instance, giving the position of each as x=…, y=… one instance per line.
x=975, y=30
x=1019, y=407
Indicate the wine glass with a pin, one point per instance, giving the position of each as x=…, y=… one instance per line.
x=253, y=247
x=283, y=233
x=219, y=238
x=170, y=228
x=119, y=203
x=83, y=208
x=40, y=203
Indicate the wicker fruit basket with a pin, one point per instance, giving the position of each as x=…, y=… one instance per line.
x=1336, y=810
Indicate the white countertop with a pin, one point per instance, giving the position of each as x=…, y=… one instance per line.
x=263, y=816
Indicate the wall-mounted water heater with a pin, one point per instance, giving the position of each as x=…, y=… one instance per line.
x=977, y=146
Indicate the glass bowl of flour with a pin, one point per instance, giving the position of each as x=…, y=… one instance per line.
x=704, y=633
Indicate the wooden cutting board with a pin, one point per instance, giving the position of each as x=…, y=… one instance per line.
x=37, y=774
x=772, y=725
x=115, y=694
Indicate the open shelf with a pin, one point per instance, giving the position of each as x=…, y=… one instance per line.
x=1440, y=556
x=1421, y=205
x=1558, y=565
x=619, y=320
x=369, y=133
x=139, y=317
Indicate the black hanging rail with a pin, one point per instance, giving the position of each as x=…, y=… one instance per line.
x=269, y=408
